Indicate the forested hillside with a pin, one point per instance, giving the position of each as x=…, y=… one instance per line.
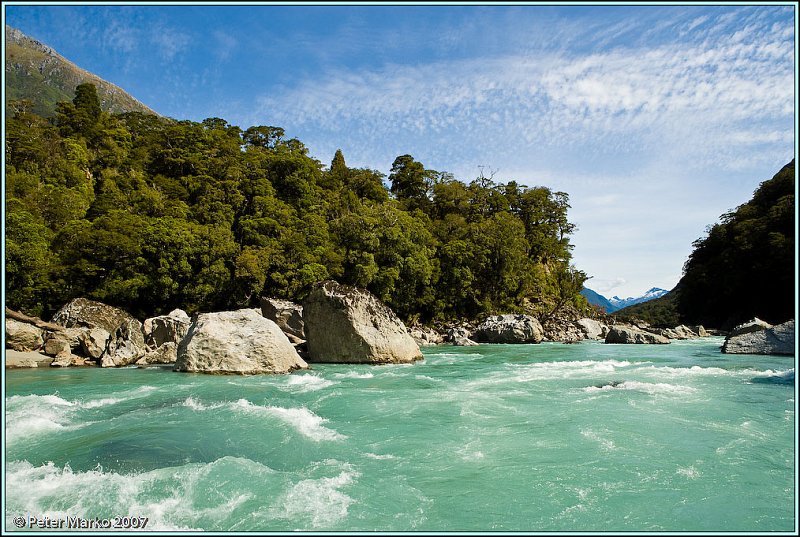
x=745, y=267
x=150, y=214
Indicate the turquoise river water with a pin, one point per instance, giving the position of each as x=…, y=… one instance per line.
x=529, y=438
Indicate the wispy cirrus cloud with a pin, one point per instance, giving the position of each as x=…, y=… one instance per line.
x=169, y=41
x=700, y=97
x=650, y=124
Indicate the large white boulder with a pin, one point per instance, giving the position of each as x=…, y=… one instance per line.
x=241, y=342
x=344, y=324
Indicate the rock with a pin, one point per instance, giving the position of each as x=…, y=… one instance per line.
x=564, y=331
x=344, y=324
x=94, y=342
x=69, y=339
x=22, y=359
x=63, y=359
x=23, y=336
x=748, y=339
x=240, y=342
x=287, y=315
x=699, y=330
x=626, y=334
x=463, y=342
x=592, y=329
x=164, y=354
x=456, y=333
x=425, y=336
x=754, y=325
x=679, y=332
x=166, y=328
x=125, y=346
x=88, y=313
x=509, y=329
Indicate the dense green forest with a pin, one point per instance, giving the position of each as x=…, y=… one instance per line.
x=150, y=213
x=745, y=266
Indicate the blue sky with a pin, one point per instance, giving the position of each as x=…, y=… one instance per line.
x=655, y=119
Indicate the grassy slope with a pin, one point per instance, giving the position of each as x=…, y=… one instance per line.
x=36, y=72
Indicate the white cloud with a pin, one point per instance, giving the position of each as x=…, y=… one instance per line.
x=652, y=141
x=603, y=286
x=121, y=37
x=225, y=45
x=695, y=96
x=169, y=42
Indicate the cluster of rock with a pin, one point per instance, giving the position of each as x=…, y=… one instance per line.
x=519, y=329
x=759, y=337
x=336, y=323
x=85, y=332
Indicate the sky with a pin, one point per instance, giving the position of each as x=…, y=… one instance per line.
x=654, y=119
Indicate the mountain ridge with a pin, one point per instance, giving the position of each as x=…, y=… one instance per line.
x=38, y=73
x=615, y=303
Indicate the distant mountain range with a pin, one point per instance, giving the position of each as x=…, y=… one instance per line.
x=39, y=74
x=615, y=303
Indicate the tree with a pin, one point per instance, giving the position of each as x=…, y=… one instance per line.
x=743, y=267
x=411, y=183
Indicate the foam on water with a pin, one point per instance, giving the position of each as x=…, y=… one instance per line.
x=446, y=358
x=689, y=472
x=380, y=457
x=696, y=370
x=30, y=416
x=194, y=404
x=647, y=387
x=515, y=373
x=353, y=375
x=605, y=443
x=172, y=498
x=318, y=502
x=301, y=419
x=307, y=383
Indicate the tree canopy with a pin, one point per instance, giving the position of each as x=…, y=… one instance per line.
x=744, y=266
x=150, y=214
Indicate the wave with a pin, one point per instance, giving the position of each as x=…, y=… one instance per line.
x=353, y=375
x=647, y=387
x=515, y=372
x=447, y=358
x=307, y=383
x=320, y=501
x=301, y=419
x=379, y=457
x=605, y=443
x=29, y=416
x=696, y=370
x=173, y=499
